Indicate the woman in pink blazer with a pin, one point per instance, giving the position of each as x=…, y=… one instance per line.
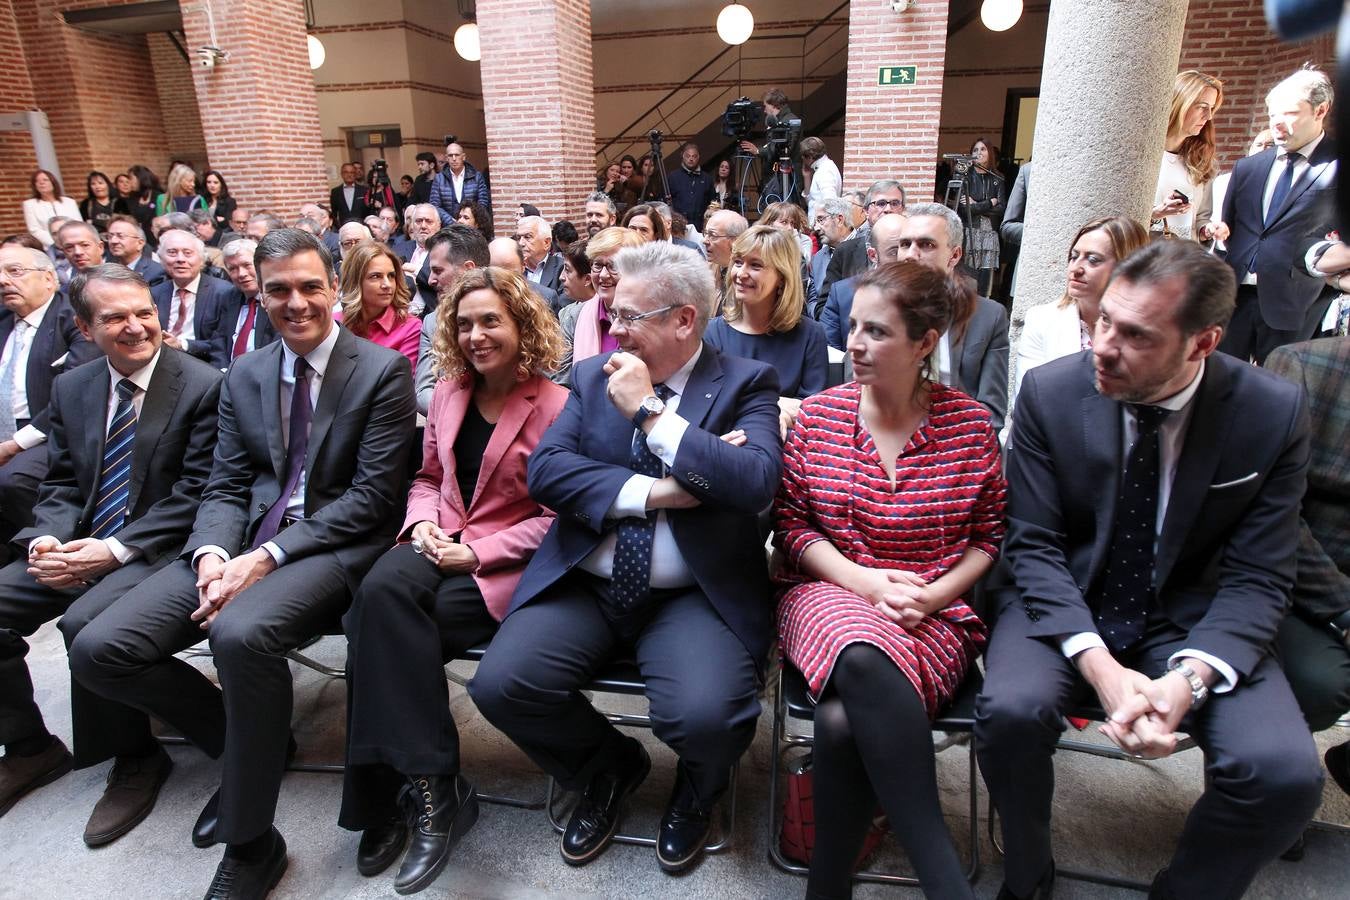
x=375, y=298
x=471, y=527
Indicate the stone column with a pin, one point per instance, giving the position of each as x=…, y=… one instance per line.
x=1105, y=92
x=538, y=103
x=891, y=128
x=259, y=114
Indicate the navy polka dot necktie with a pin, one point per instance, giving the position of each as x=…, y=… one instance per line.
x=630, y=578
x=1127, y=583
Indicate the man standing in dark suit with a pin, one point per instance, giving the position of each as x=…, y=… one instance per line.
x=1274, y=200
x=1153, y=501
x=534, y=235
x=310, y=467
x=250, y=328
x=191, y=304
x=850, y=257
x=38, y=341
x=130, y=448
x=656, y=551
x=348, y=200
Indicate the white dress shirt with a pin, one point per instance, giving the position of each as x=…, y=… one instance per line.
x=669, y=570
x=21, y=341
x=1171, y=435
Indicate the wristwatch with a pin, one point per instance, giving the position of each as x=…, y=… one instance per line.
x=651, y=405
x=1199, y=691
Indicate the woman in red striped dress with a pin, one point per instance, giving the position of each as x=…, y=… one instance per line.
x=891, y=509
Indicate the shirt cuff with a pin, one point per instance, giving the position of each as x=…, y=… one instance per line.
x=42, y=537
x=121, y=551
x=664, y=438
x=28, y=437
x=1314, y=256
x=632, y=500
x=1075, y=644
x=1228, y=678
x=278, y=555
x=208, y=548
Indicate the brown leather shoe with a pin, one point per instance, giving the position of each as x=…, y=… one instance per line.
x=133, y=786
x=21, y=774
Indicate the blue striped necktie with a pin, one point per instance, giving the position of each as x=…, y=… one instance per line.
x=114, y=484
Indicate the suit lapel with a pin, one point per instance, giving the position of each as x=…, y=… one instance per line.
x=341, y=365
x=269, y=399
x=160, y=399
x=1317, y=168
x=705, y=382
x=518, y=407
x=449, y=420
x=1101, y=441
x=1201, y=449
x=94, y=409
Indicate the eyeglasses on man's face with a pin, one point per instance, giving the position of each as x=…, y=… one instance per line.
x=631, y=318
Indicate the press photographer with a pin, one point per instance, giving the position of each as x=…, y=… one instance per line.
x=780, y=157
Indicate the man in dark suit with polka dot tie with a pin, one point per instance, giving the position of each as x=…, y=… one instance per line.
x=1153, y=500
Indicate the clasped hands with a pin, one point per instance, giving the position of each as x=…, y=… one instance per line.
x=629, y=384
x=900, y=595
x=70, y=565
x=446, y=553
x=1142, y=713
x=219, y=582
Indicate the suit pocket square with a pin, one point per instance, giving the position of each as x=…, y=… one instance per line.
x=1227, y=484
x=60, y=361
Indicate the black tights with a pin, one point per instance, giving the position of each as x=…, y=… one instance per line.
x=873, y=739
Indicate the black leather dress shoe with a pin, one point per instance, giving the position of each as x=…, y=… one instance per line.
x=684, y=827
x=380, y=846
x=249, y=879
x=596, y=816
x=204, y=829
x=1161, y=888
x=1338, y=765
x=1044, y=890
x=446, y=808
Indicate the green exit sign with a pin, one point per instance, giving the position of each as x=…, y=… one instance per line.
x=897, y=75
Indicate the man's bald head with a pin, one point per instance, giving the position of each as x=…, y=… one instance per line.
x=505, y=253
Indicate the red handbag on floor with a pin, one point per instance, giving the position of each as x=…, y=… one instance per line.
x=797, y=839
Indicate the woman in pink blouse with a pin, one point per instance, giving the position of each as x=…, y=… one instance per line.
x=375, y=297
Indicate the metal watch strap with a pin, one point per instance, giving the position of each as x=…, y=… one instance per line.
x=1199, y=690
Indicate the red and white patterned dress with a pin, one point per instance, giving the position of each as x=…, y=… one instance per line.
x=948, y=496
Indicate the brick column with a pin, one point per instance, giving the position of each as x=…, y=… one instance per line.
x=259, y=114
x=16, y=147
x=538, y=104
x=892, y=131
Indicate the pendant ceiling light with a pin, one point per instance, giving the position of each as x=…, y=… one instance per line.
x=735, y=23
x=1000, y=15
x=466, y=42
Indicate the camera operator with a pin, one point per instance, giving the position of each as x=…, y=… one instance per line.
x=380, y=192
x=783, y=128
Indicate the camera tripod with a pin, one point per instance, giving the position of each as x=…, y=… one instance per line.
x=649, y=191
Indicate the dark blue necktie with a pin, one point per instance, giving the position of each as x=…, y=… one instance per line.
x=114, y=483
x=631, y=575
x=1282, y=186
x=297, y=443
x=1127, y=583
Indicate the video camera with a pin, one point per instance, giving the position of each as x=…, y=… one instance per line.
x=379, y=174
x=960, y=162
x=784, y=134
x=741, y=118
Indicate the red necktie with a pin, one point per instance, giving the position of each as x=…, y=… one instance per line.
x=241, y=342
x=178, y=326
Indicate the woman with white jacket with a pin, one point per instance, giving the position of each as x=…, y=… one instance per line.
x=47, y=203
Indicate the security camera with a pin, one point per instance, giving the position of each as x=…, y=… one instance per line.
x=207, y=57
x=903, y=5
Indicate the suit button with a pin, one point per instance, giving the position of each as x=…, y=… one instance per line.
x=262, y=507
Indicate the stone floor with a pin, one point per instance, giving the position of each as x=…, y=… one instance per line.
x=1121, y=817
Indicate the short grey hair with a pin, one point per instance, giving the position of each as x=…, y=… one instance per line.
x=181, y=221
x=76, y=223
x=955, y=231
x=201, y=217
x=837, y=206
x=272, y=222
x=662, y=209
x=418, y=207
x=187, y=233
x=602, y=197
x=351, y=227
x=538, y=224
x=39, y=259
x=239, y=247
x=103, y=272
x=881, y=187
x=1310, y=84
x=672, y=273
x=306, y=220
x=735, y=222
x=283, y=243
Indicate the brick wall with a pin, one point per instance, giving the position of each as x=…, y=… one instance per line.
x=16, y=148
x=538, y=105
x=259, y=113
x=178, y=101
x=893, y=131
x=1230, y=40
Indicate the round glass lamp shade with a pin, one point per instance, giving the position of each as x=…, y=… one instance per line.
x=466, y=42
x=1000, y=15
x=735, y=24
x=316, y=52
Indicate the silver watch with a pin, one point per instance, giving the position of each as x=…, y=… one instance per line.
x=1199, y=690
x=651, y=405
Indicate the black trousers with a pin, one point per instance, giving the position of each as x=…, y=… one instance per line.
x=1317, y=664
x=1263, y=777
x=126, y=654
x=408, y=620
x=1249, y=337
x=102, y=728
x=19, y=482
x=700, y=681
